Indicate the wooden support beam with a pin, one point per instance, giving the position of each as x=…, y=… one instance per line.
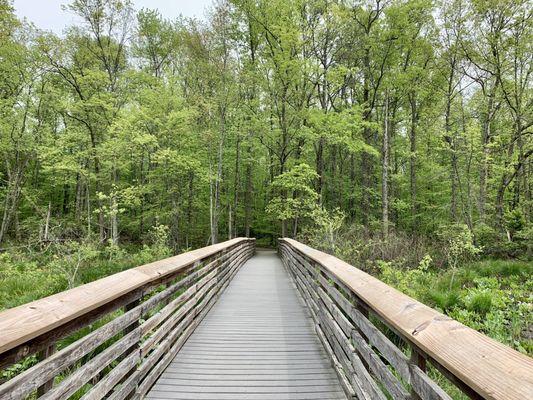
x=43, y=355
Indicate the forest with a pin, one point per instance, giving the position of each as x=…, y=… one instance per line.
x=395, y=134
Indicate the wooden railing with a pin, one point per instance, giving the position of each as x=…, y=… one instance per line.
x=384, y=344
x=123, y=330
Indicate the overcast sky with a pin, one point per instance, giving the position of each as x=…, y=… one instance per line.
x=47, y=14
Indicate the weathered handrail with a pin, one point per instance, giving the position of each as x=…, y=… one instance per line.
x=344, y=301
x=138, y=321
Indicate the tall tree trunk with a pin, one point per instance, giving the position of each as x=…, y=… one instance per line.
x=454, y=183
x=320, y=167
x=248, y=200
x=14, y=189
x=114, y=209
x=351, y=197
x=485, y=156
x=189, y=210
x=450, y=139
x=236, y=186
x=385, y=172
x=46, y=231
x=216, y=190
x=366, y=162
x=114, y=220
x=230, y=222
x=412, y=161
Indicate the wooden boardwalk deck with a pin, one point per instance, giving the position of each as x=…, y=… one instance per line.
x=257, y=342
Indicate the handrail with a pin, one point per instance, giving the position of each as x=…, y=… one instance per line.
x=477, y=364
x=153, y=326
x=27, y=321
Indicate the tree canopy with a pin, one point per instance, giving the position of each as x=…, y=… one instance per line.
x=400, y=116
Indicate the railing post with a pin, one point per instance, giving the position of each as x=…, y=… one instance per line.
x=418, y=360
x=42, y=355
x=129, y=307
x=128, y=329
x=169, y=299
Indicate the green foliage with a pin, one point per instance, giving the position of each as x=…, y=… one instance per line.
x=492, y=296
x=459, y=244
x=294, y=196
x=514, y=220
x=489, y=295
x=324, y=230
x=270, y=111
x=480, y=303
x=132, y=137
x=25, y=277
x=444, y=300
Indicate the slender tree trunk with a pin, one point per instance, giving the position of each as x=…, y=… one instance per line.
x=176, y=222
x=189, y=210
x=385, y=172
x=320, y=167
x=114, y=209
x=114, y=219
x=230, y=222
x=412, y=161
x=47, y=223
x=366, y=162
x=366, y=185
x=236, y=185
x=143, y=196
x=351, y=197
x=216, y=190
x=485, y=157
x=79, y=196
x=89, y=218
x=449, y=137
x=14, y=189
x=248, y=200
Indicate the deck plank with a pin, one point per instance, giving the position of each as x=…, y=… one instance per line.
x=257, y=342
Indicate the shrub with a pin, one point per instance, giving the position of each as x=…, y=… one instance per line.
x=480, y=303
x=459, y=244
x=487, y=237
x=524, y=237
x=514, y=221
x=445, y=300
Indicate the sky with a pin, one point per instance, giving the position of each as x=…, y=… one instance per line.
x=47, y=14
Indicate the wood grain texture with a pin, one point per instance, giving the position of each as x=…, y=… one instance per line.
x=491, y=369
x=256, y=343
x=24, y=383
x=23, y=323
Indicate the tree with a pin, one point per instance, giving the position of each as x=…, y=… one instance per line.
x=403, y=116
x=294, y=195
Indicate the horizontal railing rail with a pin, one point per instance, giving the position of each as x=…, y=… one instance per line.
x=113, y=337
x=382, y=342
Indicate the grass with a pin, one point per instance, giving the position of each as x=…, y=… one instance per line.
x=445, y=300
x=502, y=268
x=492, y=296
x=25, y=277
x=480, y=303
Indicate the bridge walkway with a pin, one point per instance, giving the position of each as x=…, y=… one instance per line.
x=256, y=343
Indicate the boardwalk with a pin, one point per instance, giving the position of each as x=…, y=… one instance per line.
x=256, y=343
